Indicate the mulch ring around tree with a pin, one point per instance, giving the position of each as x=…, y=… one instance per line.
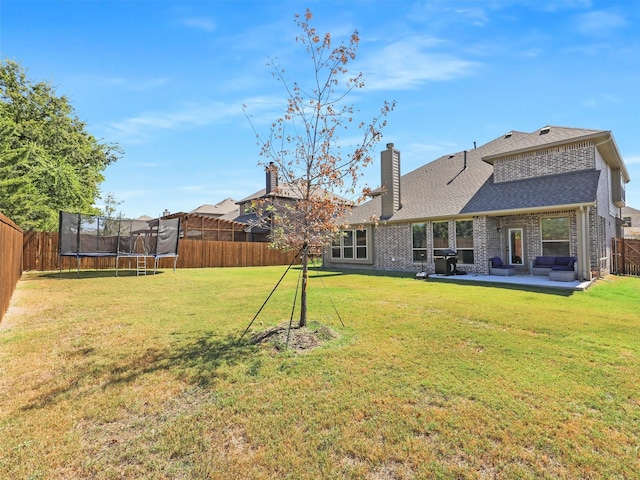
x=298, y=339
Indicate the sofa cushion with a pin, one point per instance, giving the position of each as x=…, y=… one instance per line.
x=543, y=261
x=568, y=267
x=496, y=261
x=564, y=261
x=561, y=268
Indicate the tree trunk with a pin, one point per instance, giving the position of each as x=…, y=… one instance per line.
x=303, y=290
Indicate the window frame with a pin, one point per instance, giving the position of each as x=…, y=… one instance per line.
x=355, y=242
x=416, y=251
x=437, y=250
x=461, y=250
x=555, y=241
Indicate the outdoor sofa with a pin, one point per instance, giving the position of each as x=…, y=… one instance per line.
x=558, y=268
x=496, y=267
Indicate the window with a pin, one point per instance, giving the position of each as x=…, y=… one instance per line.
x=464, y=241
x=555, y=236
x=440, y=237
x=419, y=238
x=351, y=244
x=626, y=221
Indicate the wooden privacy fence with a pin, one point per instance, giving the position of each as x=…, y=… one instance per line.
x=41, y=253
x=10, y=260
x=625, y=256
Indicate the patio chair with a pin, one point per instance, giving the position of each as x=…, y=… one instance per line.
x=496, y=267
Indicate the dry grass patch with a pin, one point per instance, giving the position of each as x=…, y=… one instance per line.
x=104, y=377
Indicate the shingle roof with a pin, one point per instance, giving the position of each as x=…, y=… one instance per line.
x=292, y=191
x=227, y=205
x=545, y=136
x=553, y=190
x=445, y=188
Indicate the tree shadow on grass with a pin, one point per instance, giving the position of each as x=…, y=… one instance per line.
x=195, y=358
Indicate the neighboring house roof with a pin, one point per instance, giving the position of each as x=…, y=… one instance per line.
x=627, y=211
x=289, y=191
x=228, y=205
x=449, y=187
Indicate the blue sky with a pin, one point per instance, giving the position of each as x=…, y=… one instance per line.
x=167, y=79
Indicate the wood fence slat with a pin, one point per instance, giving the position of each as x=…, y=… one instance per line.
x=625, y=256
x=40, y=250
x=11, y=258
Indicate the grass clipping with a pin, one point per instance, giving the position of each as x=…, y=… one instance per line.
x=291, y=337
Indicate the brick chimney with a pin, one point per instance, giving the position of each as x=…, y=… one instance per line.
x=272, y=177
x=390, y=168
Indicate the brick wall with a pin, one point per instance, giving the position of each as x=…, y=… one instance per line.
x=563, y=159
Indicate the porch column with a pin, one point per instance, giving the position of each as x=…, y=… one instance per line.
x=584, y=250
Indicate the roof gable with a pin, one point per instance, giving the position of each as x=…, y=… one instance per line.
x=462, y=183
x=544, y=137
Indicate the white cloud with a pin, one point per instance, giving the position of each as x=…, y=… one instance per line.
x=142, y=127
x=477, y=16
x=599, y=22
x=122, y=82
x=632, y=160
x=408, y=63
x=200, y=23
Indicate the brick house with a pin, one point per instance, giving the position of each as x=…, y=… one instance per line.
x=631, y=221
x=253, y=210
x=555, y=191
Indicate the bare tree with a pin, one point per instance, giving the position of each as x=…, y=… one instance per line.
x=307, y=208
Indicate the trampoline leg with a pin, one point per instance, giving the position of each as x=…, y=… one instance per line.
x=117, y=265
x=78, y=258
x=175, y=262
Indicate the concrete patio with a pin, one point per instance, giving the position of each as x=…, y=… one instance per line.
x=538, y=281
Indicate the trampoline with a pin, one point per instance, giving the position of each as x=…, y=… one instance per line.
x=82, y=236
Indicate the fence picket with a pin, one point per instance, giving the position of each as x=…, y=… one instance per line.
x=625, y=256
x=11, y=241
x=41, y=253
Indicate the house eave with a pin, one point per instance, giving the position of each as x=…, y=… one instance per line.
x=531, y=210
x=488, y=213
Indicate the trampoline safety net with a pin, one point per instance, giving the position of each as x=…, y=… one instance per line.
x=94, y=236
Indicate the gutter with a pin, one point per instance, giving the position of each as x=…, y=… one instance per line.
x=490, y=213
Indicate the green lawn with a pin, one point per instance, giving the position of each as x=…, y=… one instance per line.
x=104, y=377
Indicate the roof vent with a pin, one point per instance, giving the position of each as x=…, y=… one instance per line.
x=508, y=135
x=544, y=130
x=452, y=155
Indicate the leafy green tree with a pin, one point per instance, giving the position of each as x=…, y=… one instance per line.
x=48, y=161
x=304, y=146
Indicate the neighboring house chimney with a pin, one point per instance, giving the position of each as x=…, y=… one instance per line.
x=272, y=177
x=390, y=167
